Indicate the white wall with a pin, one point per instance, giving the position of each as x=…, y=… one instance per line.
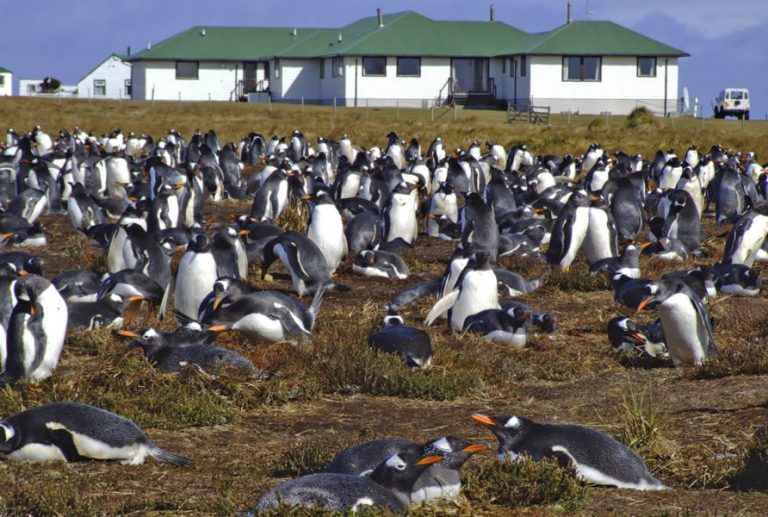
x=619, y=90
x=114, y=71
x=215, y=79
x=298, y=78
x=7, y=87
x=513, y=88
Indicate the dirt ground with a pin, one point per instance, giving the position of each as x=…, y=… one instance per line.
x=571, y=376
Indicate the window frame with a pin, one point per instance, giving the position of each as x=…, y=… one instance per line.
x=523, y=65
x=100, y=84
x=512, y=67
x=653, y=66
x=2, y=79
x=127, y=87
x=581, y=78
x=377, y=58
x=188, y=77
x=337, y=66
x=397, y=67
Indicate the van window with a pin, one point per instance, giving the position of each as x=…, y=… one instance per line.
x=737, y=95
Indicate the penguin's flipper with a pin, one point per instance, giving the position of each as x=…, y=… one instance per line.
x=711, y=349
x=61, y=438
x=442, y=306
x=415, y=292
x=288, y=320
x=512, y=280
x=170, y=288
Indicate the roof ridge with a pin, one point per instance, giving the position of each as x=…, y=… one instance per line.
x=397, y=17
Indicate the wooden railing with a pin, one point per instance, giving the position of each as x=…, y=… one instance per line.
x=530, y=114
x=445, y=95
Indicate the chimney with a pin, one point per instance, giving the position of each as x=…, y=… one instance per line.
x=570, y=12
x=339, y=38
x=493, y=13
x=128, y=51
x=294, y=32
x=380, y=17
x=202, y=32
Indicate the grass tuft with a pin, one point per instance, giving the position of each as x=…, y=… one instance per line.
x=641, y=117
x=743, y=358
x=524, y=483
x=640, y=428
x=310, y=456
x=294, y=217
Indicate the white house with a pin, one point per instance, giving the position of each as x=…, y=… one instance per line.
x=581, y=66
x=110, y=79
x=33, y=87
x=6, y=81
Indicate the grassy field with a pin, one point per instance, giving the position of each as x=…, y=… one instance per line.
x=693, y=426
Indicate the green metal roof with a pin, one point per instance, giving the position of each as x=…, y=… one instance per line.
x=600, y=38
x=5, y=71
x=403, y=34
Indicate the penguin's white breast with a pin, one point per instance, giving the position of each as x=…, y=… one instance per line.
x=684, y=332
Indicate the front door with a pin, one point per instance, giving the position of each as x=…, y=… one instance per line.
x=249, y=76
x=470, y=75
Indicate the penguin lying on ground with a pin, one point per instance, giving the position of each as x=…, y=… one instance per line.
x=388, y=486
x=440, y=480
x=637, y=340
x=736, y=279
x=380, y=264
x=394, y=337
x=70, y=431
x=504, y=326
x=596, y=457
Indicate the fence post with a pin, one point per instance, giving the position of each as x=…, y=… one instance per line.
x=397, y=109
x=334, y=106
x=432, y=114
x=366, y=108
x=455, y=111
x=569, y=118
x=302, y=104
x=179, y=95
x=153, y=95
x=269, y=102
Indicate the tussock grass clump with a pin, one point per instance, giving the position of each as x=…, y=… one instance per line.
x=294, y=217
x=310, y=456
x=578, y=278
x=524, y=483
x=596, y=124
x=641, y=117
x=753, y=474
x=749, y=358
x=640, y=425
x=344, y=370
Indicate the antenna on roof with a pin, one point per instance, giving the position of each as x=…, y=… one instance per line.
x=569, y=17
x=294, y=32
x=380, y=17
x=339, y=38
x=493, y=13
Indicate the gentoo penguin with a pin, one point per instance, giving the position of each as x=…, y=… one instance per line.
x=736, y=279
x=104, y=313
x=267, y=315
x=168, y=356
x=627, y=291
x=602, y=238
x=131, y=285
x=30, y=204
x=746, y=237
x=363, y=231
x=504, y=326
x=440, y=480
x=593, y=154
x=229, y=253
x=475, y=291
x=682, y=221
x=71, y=431
x=626, y=197
x=442, y=202
x=569, y=231
x=196, y=276
x=399, y=215
x=380, y=264
x=544, y=322
x=303, y=260
x=21, y=263
x=271, y=198
x=389, y=486
x=667, y=249
x=625, y=336
x=395, y=337
x=395, y=150
x=225, y=291
x=627, y=264
x=596, y=457
x=83, y=211
x=684, y=319
x=670, y=174
x=326, y=229
x=36, y=330
x=478, y=226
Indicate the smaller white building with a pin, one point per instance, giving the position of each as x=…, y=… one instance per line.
x=33, y=88
x=6, y=81
x=110, y=79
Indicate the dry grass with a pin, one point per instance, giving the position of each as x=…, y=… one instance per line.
x=332, y=391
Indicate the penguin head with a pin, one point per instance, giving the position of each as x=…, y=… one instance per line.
x=517, y=316
x=392, y=319
x=400, y=471
x=658, y=292
x=508, y=429
x=480, y=260
x=455, y=451
x=10, y=437
x=199, y=244
x=145, y=339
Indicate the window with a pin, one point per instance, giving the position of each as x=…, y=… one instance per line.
x=646, y=67
x=375, y=66
x=127, y=87
x=99, y=88
x=322, y=69
x=512, y=67
x=338, y=67
x=409, y=66
x=523, y=65
x=581, y=68
x=2, y=80
x=187, y=69
x=504, y=66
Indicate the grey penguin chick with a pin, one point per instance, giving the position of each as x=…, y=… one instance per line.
x=596, y=457
x=71, y=431
x=388, y=486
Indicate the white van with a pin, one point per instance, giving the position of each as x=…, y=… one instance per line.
x=733, y=102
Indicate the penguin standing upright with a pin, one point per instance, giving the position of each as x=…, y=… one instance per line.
x=303, y=259
x=478, y=226
x=601, y=241
x=596, y=457
x=36, y=331
x=476, y=290
x=442, y=202
x=569, y=231
x=70, y=431
x=196, y=276
x=229, y=253
x=399, y=215
x=684, y=319
x=326, y=229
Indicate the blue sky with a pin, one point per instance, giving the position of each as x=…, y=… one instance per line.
x=728, y=41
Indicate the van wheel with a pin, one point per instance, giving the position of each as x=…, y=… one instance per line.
x=746, y=115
